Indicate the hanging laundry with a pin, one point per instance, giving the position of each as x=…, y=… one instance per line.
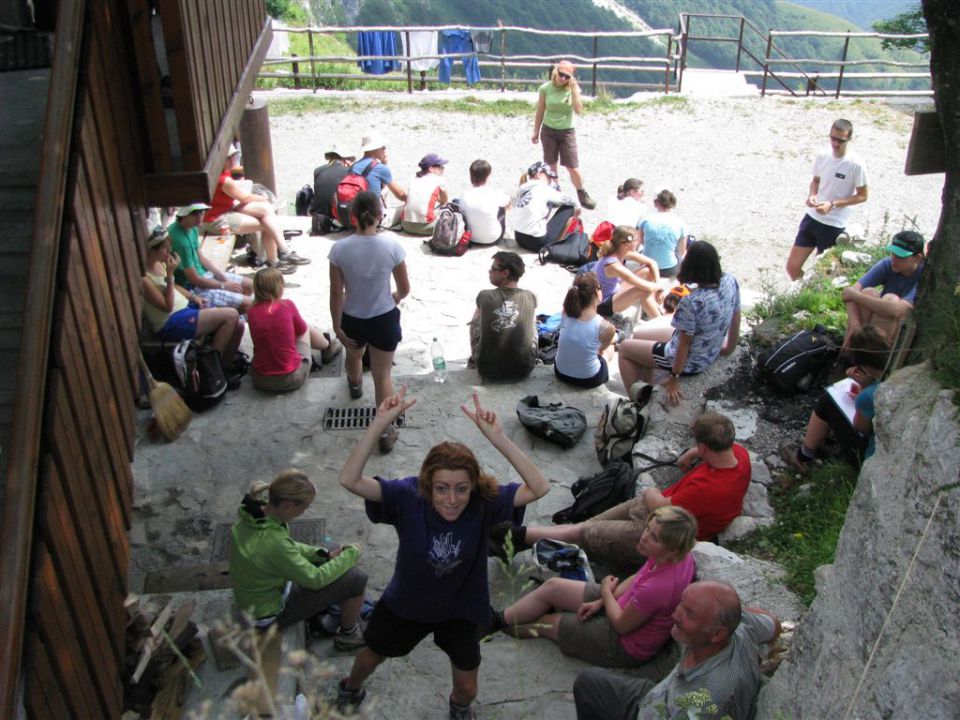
x=422, y=42
x=458, y=42
x=482, y=40
x=377, y=43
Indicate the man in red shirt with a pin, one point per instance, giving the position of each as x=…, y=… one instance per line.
x=712, y=490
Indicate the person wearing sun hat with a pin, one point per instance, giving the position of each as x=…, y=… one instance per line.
x=198, y=274
x=374, y=148
x=326, y=178
x=427, y=191
x=898, y=275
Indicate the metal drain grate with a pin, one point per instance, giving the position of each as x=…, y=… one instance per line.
x=353, y=418
x=310, y=531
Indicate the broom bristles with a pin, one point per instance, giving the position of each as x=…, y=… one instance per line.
x=169, y=411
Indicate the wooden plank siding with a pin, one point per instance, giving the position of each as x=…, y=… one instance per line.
x=68, y=504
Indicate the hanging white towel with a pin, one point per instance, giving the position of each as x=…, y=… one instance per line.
x=422, y=42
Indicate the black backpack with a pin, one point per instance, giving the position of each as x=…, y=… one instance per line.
x=202, y=380
x=792, y=365
x=558, y=423
x=304, y=199
x=615, y=484
x=572, y=251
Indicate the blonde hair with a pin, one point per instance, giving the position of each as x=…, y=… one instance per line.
x=268, y=285
x=292, y=485
x=622, y=235
x=555, y=71
x=678, y=529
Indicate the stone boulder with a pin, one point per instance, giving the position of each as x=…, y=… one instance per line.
x=882, y=638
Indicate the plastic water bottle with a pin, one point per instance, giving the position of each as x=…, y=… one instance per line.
x=439, y=364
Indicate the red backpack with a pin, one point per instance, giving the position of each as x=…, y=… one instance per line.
x=352, y=185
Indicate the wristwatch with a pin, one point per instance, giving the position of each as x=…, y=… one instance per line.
x=674, y=375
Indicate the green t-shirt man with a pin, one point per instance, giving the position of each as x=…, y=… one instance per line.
x=558, y=114
x=186, y=244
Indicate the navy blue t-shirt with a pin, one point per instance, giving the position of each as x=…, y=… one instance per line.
x=904, y=287
x=441, y=568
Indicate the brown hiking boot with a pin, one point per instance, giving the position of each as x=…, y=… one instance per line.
x=584, y=197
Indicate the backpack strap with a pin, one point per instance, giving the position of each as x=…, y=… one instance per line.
x=366, y=171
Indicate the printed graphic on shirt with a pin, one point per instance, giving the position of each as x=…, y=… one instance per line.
x=505, y=316
x=524, y=198
x=444, y=555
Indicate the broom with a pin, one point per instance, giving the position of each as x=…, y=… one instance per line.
x=170, y=412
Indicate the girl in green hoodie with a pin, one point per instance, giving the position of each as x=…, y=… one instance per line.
x=279, y=580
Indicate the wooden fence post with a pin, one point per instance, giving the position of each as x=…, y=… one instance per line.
x=295, y=66
x=666, y=70
x=503, y=51
x=846, y=46
x=740, y=43
x=766, y=64
x=595, y=39
x=409, y=70
x=313, y=62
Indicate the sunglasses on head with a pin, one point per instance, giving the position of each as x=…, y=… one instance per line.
x=565, y=76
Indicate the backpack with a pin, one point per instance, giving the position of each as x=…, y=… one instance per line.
x=616, y=483
x=562, y=559
x=556, y=422
x=199, y=370
x=621, y=426
x=449, y=236
x=304, y=199
x=792, y=365
x=352, y=185
x=548, y=337
x=572, y=251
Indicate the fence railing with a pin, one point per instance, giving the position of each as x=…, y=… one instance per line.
x=775, y=72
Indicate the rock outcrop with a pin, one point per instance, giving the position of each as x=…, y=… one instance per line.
x=895, y=578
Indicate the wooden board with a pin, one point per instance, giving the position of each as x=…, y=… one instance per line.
x=194, y=578
x=218, y=249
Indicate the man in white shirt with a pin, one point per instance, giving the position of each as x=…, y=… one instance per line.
x=839, y=182
x=484, y=208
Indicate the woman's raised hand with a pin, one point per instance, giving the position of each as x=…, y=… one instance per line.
x=485, y=419
x=391, y=408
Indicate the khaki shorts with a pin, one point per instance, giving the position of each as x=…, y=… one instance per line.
x=598, y=643
x=562, y=144
x=234, y=220
x=289, y=382
x=612, y=536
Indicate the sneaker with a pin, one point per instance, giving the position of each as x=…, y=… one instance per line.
x=585, y=200
x=462, y=712
x=349, y=700
x=333, y=349
x=291, y=258
x=388, y=440
x=346, y=640
x=282, y=267
x=790, y=452
x=356, y=389
x=254, y=260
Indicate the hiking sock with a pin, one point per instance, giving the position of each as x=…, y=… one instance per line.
x=805, y=454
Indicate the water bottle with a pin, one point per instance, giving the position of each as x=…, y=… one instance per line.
x=439, y=364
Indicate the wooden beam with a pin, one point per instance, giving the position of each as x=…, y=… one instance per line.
x=179, y=188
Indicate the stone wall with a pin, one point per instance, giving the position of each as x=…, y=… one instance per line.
x=914, y=672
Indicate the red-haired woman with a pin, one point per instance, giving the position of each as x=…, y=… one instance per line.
x=442, y=518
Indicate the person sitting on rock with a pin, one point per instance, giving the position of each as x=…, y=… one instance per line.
x=326, y=178
x=427, y=192
x=869, y=349
x=720, y=642
x=616, y=623
x=503, y=330
x=196, y=273
x=484, y=208
x=716, y=481
x=898, y=275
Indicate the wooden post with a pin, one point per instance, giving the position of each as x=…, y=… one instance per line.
x=503, y=50
x=766, y=65
x=846, y=46
x=740, y=43
x=666, y=71
x=685, y=39
x=296, y=72
x=409, y=69
x=423, y=80
x=595, y=39
x=313, y=62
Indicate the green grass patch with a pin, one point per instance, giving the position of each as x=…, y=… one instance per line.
x=808, y=525
x=817, y=302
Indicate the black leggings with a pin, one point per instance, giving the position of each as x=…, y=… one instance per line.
x=555, y=228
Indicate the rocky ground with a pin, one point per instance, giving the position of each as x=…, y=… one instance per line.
x=740, y=169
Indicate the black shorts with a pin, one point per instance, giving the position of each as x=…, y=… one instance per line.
x=662, y=361
x=605, y=309
x=390, y=635
x=815, y=234
x=382, y=331
x=601, y=376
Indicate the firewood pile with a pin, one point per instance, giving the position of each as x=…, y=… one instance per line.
x=162, y=650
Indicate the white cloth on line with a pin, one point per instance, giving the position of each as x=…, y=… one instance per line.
x=422, y=42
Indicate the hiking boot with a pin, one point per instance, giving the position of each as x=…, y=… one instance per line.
x=585, y=200
x=352, y=639
x=282, y=267
x=388, y=440
x=332, y=350
x=291, y=258
x=462, y=712
x=497, y=538
x=349, y=700
x=356, y=389
x=790, y=452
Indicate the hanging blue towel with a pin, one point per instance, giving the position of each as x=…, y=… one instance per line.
x=377, y=43
x=455, y=42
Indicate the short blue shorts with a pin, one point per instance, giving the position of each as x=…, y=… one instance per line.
x=182, y=325
x=382, y=332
